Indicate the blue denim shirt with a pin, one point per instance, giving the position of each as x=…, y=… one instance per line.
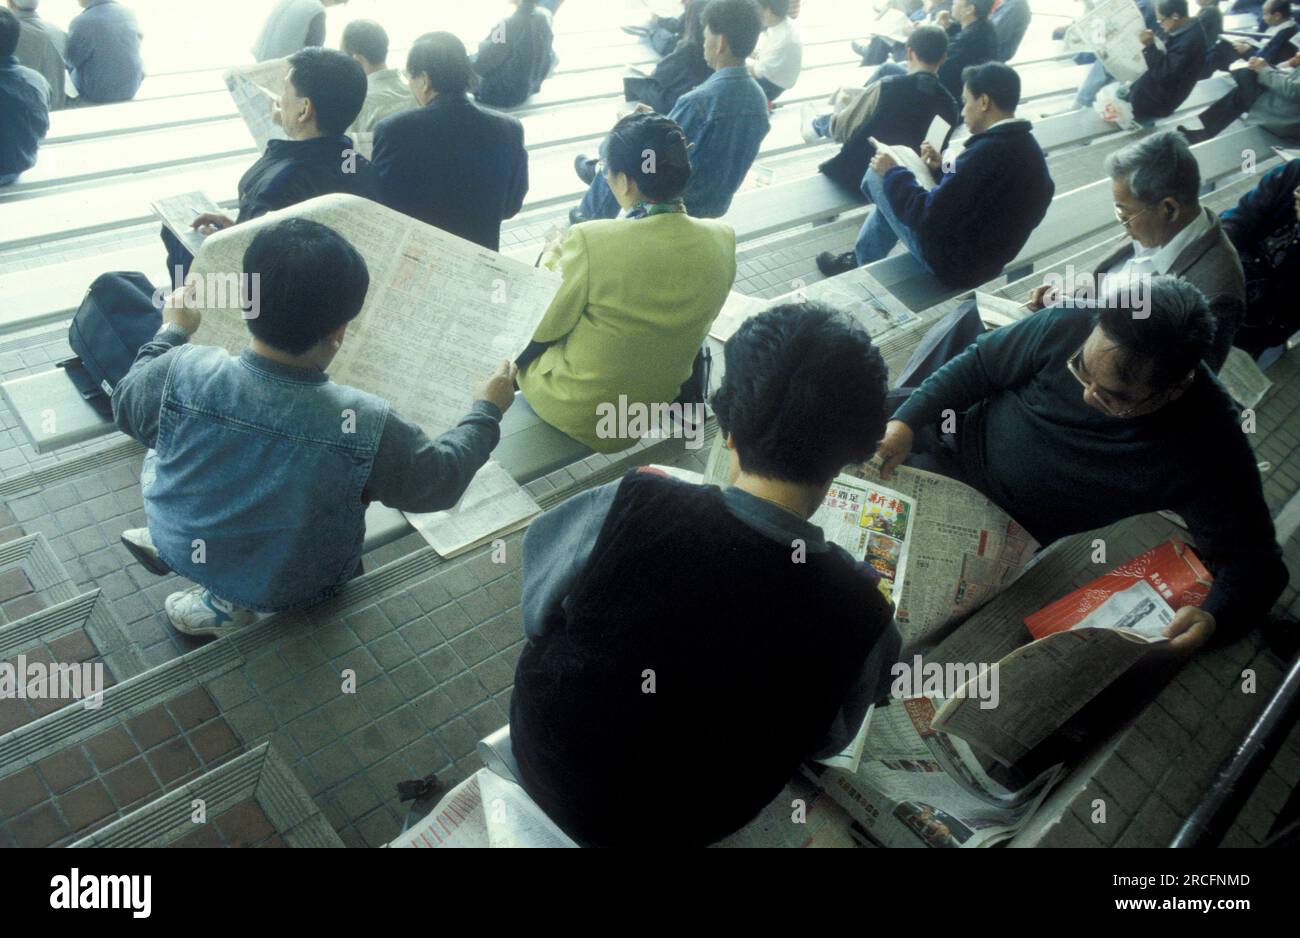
x=725, y=119
x=261, y=472
x=24, y=115
x=104, y=52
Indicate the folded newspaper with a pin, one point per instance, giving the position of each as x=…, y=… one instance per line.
x=440, y=315
x=1083, y=642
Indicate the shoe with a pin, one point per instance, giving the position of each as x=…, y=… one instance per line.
x=1198, y=135
x=139, y=542
x=585, y=167
x=196, y=611
x=807, y=113
x=641, y=31
x=859, y=48
x=576, y=217
x=834, y=264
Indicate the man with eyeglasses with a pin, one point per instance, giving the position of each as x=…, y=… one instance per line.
x=1156, y=185
x=1076, y=417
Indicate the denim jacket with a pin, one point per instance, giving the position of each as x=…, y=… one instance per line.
x=261, y=474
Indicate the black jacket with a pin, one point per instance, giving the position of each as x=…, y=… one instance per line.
x=454, y=165
x=680, y=71
x=1170, y=75
x=293, y=171
x=908, y=105
x=1263, y=229
x=980, y=215
x=514, y=59
x=974, y=45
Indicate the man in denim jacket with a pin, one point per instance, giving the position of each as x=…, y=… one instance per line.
x=725, y=120
x=262, y=467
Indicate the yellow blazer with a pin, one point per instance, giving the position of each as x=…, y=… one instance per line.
x=636, y=303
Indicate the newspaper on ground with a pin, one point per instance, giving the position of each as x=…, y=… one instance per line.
x=458, y=820
x=440, y=315
x=484, y=811
x=995, y=310
x=256, y=89
x=917, y=787
x=1083, y=642
x=850, y=757
x=177, y=212
x=1243, y=379
x=735, y=311
x=1110, y=31
x=494, y=504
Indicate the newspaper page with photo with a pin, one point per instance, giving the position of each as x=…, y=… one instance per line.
x=1110, y=31
x=255, y=90
x=440, y=315
x=1083, y=642
x=963, y=550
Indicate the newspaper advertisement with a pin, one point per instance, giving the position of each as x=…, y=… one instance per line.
x=962, y=551
x=1043, y=684
x=440, y=316
x=871, y=522
x=905, y=793
x=1110, y=31
x=256, y=90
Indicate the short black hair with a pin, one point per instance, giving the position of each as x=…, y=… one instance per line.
x=738, y=21
x=1000, y=82
x=10, y=30
x=311, y=281
x=367, y=39
x=1164, y=340
x=1170, y=7
x=776, y=7
x=443, y=58
x=929, y=43
x=651, y=150
x=1279, y=6
x=803, y=393
x=333, y=82
x=983, y=8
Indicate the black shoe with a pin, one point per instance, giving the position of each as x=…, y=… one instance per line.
x=585, y=167
x=1194, y=136
x=576, y=217
x=859, y=48
x=833, y=264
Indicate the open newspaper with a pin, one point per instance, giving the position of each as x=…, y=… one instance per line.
x=1243, y=379
x=1110, y=31
x=916, y=787
x=857, y=293
x=256, y=89
x=178, y=212
x=910, y=159
x=484, y=811
x=440, y=315
x=1083, y=642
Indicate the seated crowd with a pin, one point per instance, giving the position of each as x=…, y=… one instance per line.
x=1089, y=410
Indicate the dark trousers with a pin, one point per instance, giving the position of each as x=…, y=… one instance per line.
x=771, y=89
x=178, y=255
x=934, y=450
x=1233, y=104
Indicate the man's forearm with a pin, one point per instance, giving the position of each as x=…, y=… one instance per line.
x=413, y=472
x=137, y=399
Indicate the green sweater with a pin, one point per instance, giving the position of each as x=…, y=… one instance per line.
x=1059, y=467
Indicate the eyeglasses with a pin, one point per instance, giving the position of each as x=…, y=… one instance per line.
x=1125, y=221
x=1075, y=366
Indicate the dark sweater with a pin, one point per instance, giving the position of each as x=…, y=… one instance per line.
x=453, y=165
x=293, y=171
x=514, y=59
x=752, y=655
x=980, y=215
x=973, y=45
x=680, y=71
x=1059, y=467
x=908, y=104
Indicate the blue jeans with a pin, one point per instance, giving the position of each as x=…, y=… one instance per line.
x=599, y=202
x=1096, y=79
x=882, y=229
x=822, y=125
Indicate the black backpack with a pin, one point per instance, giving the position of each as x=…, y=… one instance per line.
x=116, y=317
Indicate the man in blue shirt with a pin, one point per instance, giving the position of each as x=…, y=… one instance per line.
x=104, y=52
x=24, y=106
x=725, y=119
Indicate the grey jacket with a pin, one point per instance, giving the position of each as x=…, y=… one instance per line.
x=1277, y=110
x=1210, y=263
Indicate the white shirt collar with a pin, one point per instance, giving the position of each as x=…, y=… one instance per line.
x=1164, y=257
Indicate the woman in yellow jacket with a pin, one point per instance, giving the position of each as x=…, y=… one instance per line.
x=638, y=295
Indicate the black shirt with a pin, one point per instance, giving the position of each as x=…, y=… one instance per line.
x=293, y=171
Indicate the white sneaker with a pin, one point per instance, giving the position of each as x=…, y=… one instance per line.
x=196, y=611
x=806, y=114
x=140, y=544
